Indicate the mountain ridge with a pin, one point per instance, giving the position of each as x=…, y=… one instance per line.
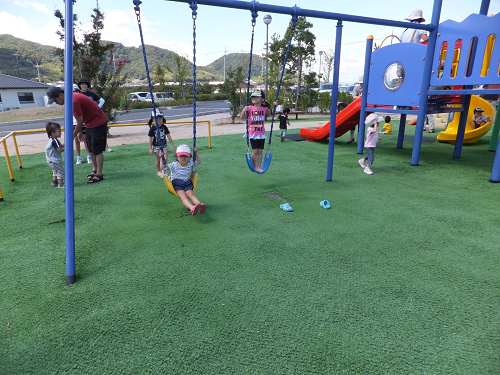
x=50, y=65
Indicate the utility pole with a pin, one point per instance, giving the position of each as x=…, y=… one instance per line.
x=16, y=55
x=224, y=63
x=267, y=20
x=37, y=66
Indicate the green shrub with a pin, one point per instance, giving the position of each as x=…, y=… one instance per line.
x=324, y=102
x=208, y=97
x=345, y=97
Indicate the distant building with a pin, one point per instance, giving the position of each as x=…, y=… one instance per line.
x=16, y=93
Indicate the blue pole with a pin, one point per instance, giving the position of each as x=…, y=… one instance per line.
x=401, y=132
x=495, y=171
x=69, y=192
x=248, y=5
x=426, y=79
x=364, y=96
x=335, y=97
x=485, y=5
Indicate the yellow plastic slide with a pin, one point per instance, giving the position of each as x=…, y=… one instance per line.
x=471, y=135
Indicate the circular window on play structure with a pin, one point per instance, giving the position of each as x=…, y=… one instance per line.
x=394, y=76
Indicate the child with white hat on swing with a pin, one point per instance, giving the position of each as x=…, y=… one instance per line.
x=180, y=173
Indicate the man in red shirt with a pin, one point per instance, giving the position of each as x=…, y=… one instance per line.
x=85, y=110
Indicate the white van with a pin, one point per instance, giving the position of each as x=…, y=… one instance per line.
x=159, y=97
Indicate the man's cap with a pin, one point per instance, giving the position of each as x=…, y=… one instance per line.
x=52, y=93
x=416, y=15
x=478, y=109
x=158, y=113
x=257, y=93
x=371, y=119
x=360, y=79
x=183, y=150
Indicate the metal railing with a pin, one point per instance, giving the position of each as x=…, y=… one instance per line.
x=14, y=133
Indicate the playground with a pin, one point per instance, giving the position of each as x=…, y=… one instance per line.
x=399, y=275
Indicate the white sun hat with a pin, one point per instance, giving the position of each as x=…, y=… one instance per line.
x=416, y=15
x=372, y=118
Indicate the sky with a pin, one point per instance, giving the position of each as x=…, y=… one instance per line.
x=168, y=24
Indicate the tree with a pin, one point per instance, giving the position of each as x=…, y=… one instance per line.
x=301, y=49
x=159, y=75
x=180, y=70
x=93, y=60
x=329, y=58
x=230, y=87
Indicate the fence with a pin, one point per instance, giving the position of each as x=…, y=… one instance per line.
x=14, y=133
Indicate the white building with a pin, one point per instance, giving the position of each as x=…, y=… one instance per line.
x=16, y=93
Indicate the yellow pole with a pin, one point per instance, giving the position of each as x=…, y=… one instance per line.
x=170, y=123
x=17, y=151
x=1, y=194
x=7, y=158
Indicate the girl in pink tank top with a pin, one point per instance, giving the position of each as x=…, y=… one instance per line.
x=257, y=113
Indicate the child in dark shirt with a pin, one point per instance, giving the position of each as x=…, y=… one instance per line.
x=154, y=142
x=284, y=122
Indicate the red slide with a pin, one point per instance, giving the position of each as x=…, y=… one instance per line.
x=346, y=120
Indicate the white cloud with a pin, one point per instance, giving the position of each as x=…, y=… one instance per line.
x=20, y=28
x=31, y=4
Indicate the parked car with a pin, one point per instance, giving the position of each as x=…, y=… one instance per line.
x=347, y=88
x=159, y=97
x=138, y=96
x=324, y=87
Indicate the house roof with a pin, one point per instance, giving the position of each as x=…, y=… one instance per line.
x=10, y=82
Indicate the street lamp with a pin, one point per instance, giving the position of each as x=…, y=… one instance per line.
x=267, y=20
x=319, y=73
x=16, y=55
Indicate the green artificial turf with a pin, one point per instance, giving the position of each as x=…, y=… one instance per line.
x=400, y=276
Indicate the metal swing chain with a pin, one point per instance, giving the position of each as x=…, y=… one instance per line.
x=137, y=10
x=254, y=22
x=295, y=18
x=194, y=7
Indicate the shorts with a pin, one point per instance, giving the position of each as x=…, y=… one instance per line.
x=258, y=143
x=282, y=131
x=58, y=170
x=156, y=149
x=96, y=139
x=182, y=185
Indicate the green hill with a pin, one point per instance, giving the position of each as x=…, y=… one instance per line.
x=51, y=66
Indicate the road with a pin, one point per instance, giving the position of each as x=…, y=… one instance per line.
x=135, y=116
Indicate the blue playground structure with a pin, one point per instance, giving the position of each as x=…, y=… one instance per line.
x=397, y=75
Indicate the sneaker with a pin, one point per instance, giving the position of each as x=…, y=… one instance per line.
x=54, y=183
x=60, y=186
x=110, y=149
x=367, y=170
x=362, y=163
x=89, y=160
x=79, y=160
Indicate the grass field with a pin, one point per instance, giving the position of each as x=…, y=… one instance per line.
x=400, y=276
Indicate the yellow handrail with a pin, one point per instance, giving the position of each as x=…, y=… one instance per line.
x=399, y=40
x=18, y=154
